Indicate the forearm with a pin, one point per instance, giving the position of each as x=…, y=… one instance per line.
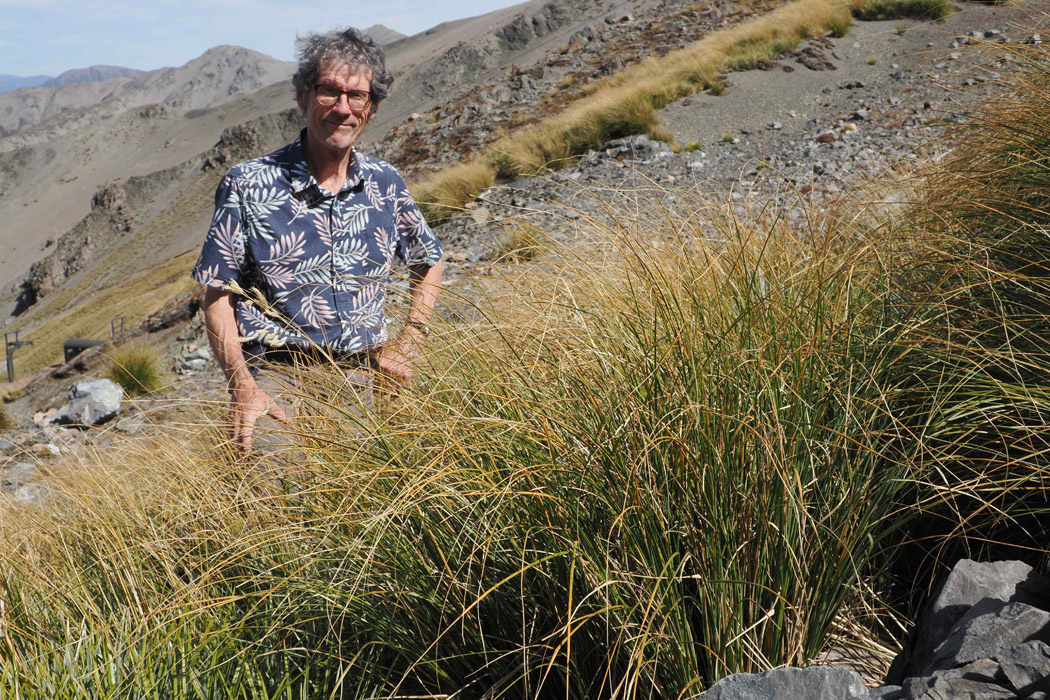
x=221, y=323
x=424, y=286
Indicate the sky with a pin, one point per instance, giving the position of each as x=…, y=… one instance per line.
x=47, y=37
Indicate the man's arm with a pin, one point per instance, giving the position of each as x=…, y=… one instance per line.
x=396, y=358
x=248, y=402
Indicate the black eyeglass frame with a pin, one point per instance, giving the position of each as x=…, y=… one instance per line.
x=329, y=102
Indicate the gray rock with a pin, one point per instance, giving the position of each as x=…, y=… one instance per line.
x=886, y=692
x=33, y=493
x=968, y=583
x=16, y=475
x=986, y=629
x=1027, y=667
x=814, y=683
x=954, y=688
x=91, y=403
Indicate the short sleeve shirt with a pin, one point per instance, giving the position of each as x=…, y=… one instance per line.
x=322, y=262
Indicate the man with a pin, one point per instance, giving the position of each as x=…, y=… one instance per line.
x=313, y=229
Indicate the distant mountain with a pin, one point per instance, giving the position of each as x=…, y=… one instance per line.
x=13, y=82
x=384, y=35
x=211, y=77
x=92, y=74
x=216, y=74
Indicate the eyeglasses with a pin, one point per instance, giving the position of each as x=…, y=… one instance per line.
x=357, y=99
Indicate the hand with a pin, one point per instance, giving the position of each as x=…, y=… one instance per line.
x=248, y=405
x=395, y=366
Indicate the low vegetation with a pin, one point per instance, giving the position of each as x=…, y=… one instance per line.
x=137, y=367
x=703, y=442
x=878, y=10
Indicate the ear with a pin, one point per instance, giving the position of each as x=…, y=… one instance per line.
x=300, y=99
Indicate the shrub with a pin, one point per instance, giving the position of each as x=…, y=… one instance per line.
x=138, y=368
x=877, y=10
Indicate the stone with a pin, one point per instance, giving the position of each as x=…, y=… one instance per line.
x=954, y=688
x=42, y=418
x=1027, y=667
x=968, y=583
x=986, y=629
x=91, y=403
x=886, y=692
x=16, y=475
x=45, y=449
x=813, y=683
x=33, y=493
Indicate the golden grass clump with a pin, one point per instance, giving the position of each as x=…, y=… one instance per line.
x=137, y=367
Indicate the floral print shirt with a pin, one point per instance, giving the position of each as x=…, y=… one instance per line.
x=322, y=262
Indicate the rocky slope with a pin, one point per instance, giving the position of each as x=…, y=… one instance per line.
x=47, y=191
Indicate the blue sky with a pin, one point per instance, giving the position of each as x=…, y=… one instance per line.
x=51, y=36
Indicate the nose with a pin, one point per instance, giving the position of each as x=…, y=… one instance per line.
x=342, y=105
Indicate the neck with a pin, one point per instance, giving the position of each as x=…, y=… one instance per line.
x=329, y=168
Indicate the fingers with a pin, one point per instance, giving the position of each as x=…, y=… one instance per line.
x=246, y=413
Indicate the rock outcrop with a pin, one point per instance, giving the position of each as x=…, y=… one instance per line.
x=984, y=636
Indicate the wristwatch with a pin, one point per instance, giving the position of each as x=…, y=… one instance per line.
x=421, y=326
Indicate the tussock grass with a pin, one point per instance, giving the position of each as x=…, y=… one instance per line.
x=977, y=394
x=877, y=10
x=701, y=441
x=137, y=367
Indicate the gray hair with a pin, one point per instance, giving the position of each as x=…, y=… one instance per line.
x=350, y=46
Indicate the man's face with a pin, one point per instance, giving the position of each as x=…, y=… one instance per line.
x=336, y=128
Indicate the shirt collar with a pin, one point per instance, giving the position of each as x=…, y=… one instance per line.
x=303, y=179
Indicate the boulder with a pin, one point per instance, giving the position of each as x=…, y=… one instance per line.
x=813, y=683
x=1027, y=667
x=968, y=583
x=91, y=403
x=987, y=629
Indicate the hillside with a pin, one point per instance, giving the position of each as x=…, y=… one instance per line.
x=730, y=388
x=104, y=144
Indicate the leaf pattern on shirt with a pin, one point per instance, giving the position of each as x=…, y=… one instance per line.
x=314, y=270
x=207, y=275
x=323, y=227
x=287, y=249
x=353, y=219
x=315, y=309
x=259, y=172
x=387, y=246
x=375, y=195
x=254, y=325
x=348, y=254
x=334, y=268
x=230, y=243
x=267, y=200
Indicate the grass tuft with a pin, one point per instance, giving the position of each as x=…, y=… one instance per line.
x=879, y=10
x=137, y=367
